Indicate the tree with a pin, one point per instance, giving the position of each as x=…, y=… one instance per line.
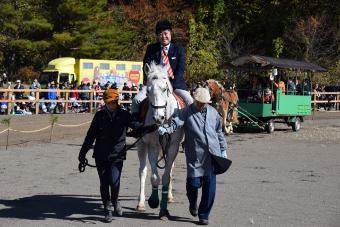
x=313, y=40
x=23, y=33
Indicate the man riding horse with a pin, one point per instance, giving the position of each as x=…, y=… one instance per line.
x=172, y=57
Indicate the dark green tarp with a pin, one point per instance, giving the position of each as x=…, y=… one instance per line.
x=269, y=62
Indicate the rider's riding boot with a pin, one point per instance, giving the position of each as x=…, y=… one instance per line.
x=108, y=212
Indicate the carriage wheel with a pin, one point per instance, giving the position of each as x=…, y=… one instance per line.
x=296, y=125
x=270, y=126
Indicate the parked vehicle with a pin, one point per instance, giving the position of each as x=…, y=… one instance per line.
x=69, y=70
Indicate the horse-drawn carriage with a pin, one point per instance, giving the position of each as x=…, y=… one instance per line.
x=266, y=98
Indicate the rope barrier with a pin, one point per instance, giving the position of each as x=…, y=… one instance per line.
x=42, y=129
x=4, y=131
x=61, y=125
x=31, y=131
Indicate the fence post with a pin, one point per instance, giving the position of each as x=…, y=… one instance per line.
x=66, y=103
x=37, y=101
x=314, y=104
x=8, y=103
x=91, y=100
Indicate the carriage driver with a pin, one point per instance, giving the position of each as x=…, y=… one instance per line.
x=171, y=56
x=108, y=129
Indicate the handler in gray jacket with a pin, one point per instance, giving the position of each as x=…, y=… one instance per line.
x=203, y=135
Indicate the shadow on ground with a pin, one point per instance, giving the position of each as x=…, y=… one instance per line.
x=41, y=207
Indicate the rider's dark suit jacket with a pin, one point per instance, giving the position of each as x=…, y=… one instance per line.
x=176, y=55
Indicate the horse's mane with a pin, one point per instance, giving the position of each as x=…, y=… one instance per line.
x=155, y=73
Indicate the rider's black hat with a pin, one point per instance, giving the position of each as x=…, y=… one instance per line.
x=162, y=25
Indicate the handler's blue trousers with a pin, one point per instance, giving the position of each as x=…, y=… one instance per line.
x=109, y=176
x=208, y=184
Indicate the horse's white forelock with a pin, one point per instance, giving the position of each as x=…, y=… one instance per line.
x=156, y=73
x=215, y=81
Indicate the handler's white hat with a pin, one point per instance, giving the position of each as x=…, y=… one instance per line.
x=202, y=95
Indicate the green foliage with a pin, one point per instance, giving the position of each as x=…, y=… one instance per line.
x=278, y=47
x=33, y=32
x=6, y=121
x=27, y=74
x=201, y=53
x=53, y=119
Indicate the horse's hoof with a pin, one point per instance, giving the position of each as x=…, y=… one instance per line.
x=171, y=200
x=164, y=214
x=140, y=208
x=153, y=203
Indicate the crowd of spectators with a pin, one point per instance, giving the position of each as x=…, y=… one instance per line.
x=51, y=101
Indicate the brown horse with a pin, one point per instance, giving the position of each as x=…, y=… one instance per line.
x=224, y=101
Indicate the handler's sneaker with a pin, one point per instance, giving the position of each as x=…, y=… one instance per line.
x=193, y=211
x=108, y=216
x=118, y=209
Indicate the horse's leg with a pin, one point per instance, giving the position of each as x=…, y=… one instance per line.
x=229, y=128
x=171, y=156
x=170, y=195
x=224, y=118
x=153, y=153
x=142, y=154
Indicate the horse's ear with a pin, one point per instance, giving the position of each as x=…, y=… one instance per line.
x=146, y=68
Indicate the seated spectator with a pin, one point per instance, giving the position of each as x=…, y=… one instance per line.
x=3, y=105
x=84, y=95
x=126, y=96
x=134, y=88
x=268, y=96
x=52, y=95
x=281, y=86
x=306, y=87
x=34, y=85
x=18, y=85
x=291, y=87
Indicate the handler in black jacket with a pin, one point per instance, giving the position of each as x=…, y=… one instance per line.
x=108, y=129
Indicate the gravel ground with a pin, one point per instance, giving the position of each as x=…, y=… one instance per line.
x=279, y=179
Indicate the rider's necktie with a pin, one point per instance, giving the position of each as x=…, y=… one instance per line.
x=166, y=62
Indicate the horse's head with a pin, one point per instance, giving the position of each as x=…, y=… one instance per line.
x=215, y=88
x=158, y=90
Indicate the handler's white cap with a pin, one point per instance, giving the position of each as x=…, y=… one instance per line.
x=202, y=95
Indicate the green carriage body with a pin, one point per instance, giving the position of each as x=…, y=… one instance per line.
x=285, y=105
x=285, y=108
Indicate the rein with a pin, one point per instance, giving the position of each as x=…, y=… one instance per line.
x=164, y=141
x=82, y=165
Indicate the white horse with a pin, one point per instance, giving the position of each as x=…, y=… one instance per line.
x=162, y=105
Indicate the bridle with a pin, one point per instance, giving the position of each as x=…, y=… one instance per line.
x=165, y=139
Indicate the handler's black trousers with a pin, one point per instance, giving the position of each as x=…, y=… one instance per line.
x=109, y=176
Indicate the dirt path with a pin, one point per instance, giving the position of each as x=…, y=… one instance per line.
x=281, y=179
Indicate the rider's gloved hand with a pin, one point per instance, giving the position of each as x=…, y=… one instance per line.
x=162, y=130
